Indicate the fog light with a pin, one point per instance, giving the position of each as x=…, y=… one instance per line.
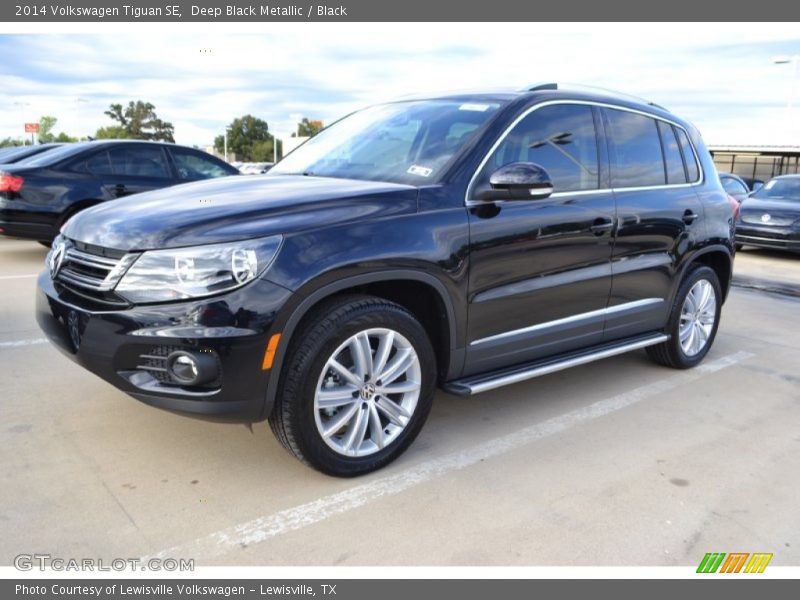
x=192, y=368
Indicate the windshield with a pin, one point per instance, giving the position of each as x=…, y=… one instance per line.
x=405, y=142
x=780, y=189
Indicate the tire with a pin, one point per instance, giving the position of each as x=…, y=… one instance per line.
x=314, y=397
x=46, y=244
x=679, y=352
x=738, y=247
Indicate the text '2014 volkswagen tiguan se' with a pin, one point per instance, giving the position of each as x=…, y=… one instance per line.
x=468, y=241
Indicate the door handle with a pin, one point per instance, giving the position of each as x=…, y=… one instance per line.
x=602, y=225
x=689, y=216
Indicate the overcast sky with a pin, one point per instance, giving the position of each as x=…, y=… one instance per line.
x=720, y=76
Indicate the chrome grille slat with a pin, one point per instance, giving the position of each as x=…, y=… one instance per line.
x=90, y=260
x=94, y=273
x=90, y=283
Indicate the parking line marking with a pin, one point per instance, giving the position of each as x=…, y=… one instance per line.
x=18, y=276
x=298, y=517
x=18, y=343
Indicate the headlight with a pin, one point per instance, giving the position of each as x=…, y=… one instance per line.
x=163, y=275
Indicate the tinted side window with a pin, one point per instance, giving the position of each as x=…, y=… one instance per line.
x=192, y=165
x=638, y=160
x=672, y=154
x=138, y=161
x=692, y=170
x=96, y=164
x=560, y=138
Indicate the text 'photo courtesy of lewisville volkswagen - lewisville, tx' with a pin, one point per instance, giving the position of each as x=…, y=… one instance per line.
x=464, y=303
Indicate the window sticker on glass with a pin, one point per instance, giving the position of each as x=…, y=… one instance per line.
x=475, y=107
x=418, y=170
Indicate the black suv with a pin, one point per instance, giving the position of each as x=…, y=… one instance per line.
x=39, y=193
x=468, y=241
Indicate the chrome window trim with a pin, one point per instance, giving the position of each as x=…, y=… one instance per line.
x=530, y=109
x=564, y=321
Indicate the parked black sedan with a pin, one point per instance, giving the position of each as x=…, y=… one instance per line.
x=770, y=217
x=39, y=194
x=15, y=154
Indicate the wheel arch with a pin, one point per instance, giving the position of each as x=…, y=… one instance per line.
x=717, y=257
x=388, y=285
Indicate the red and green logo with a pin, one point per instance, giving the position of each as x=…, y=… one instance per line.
x=734, y=562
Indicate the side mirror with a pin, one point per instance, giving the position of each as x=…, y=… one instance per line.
x=517, y=181
x=757, y=185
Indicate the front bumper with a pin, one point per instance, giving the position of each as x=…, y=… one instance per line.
x=234, y=327
x=779, y=238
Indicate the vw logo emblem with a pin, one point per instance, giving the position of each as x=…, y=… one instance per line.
x=56, y=258
x=367, y=392
x=766, y=217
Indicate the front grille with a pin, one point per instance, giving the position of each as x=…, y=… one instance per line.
x=93, y=275
x=88, y=271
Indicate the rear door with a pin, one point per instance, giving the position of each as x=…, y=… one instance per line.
x=653, y=172
x=137, y=168
x=540, y=271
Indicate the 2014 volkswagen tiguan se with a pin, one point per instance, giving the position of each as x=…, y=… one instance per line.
x=467, y=241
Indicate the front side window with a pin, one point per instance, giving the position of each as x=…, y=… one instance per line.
x=404, y=142
x=637, y=159
x=560, y=138
x=138, y=161
x=192, y=166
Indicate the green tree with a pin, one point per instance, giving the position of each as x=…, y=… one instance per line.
x=47, y=125
x=137, y=121
x=8, y=142
x=308, y=128
x=249, y=139
x=112, y=132
x=63, y=138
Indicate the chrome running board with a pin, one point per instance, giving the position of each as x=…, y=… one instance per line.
x=476, y=384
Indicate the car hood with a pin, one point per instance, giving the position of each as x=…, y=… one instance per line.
x=235, y=208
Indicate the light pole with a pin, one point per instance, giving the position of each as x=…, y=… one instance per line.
x=789, y=60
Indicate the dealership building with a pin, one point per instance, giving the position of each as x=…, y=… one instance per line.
x=757, y=162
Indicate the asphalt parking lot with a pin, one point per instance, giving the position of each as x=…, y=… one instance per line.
x=617, y=463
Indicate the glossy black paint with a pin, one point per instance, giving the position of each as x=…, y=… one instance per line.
x=55, y=191
x=469, y=269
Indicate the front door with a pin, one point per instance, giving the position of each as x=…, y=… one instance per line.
x=540, y=270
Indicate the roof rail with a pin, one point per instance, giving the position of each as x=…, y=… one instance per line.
x=539, y=87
